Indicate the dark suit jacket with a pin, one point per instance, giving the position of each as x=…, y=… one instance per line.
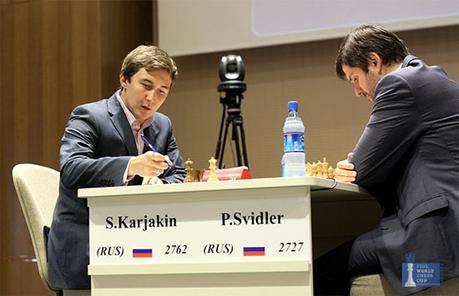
x=408, y=158
x=96, y=147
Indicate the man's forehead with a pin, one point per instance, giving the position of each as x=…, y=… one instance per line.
x=155, y=74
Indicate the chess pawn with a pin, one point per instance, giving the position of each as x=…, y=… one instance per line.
x=331, y=172
x=323, y=170
x=325, y=166
x=197, y=175
x=314, y=169
x=189, y=171
x=212, y=170
x=319, y=169
x=308, y=169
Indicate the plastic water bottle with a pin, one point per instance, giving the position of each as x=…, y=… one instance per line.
x=293, y=160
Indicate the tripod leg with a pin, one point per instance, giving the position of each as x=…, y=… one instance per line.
x=225, y=133
x=235, y=138
x=238, y=137
x=219, y=140
x=244, y=148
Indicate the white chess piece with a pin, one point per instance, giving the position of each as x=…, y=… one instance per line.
x=410, y=282
x=212, y=170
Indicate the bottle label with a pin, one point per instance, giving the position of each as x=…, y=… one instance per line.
x=294, y=142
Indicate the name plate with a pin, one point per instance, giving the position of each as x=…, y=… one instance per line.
x=245, y=229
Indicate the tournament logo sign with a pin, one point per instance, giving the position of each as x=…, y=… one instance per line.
x=420, y=274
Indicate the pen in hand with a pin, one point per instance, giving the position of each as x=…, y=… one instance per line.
x=146, y=142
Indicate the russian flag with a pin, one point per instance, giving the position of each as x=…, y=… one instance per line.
x=142, y=253
x=254, y=251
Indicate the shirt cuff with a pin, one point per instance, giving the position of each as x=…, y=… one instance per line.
x=127, y=178
x=152, y=181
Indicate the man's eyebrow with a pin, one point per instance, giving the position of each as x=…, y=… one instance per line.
x=146, y=80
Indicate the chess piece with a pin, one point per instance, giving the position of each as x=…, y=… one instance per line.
x=308, y=169
x=199, y=175
x=314, y=169
x=321, y=169
x=410, y=282
x=189, y=171
x=331, y=172
x=325, y=166
x=212, y=170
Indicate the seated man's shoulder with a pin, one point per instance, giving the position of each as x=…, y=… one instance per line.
x=92, y=107
x=160, y=118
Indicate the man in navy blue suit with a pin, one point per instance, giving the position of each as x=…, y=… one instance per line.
x=110, y=143
x=407, y=158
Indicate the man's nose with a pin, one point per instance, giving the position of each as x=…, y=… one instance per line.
x=150, y=95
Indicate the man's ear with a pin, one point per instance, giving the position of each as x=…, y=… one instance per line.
x=123, y=81
x=374, y=60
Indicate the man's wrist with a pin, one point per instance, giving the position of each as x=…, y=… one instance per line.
x=130, y=167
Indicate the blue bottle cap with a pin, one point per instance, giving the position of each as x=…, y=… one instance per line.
x=293, y=106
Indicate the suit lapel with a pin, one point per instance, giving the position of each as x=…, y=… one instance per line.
x=121, y=124
x=151, y=133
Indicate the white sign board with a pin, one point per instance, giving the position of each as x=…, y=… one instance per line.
x=245, y=229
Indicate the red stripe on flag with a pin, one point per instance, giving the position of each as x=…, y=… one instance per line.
x=142, y=255
x=254, y=253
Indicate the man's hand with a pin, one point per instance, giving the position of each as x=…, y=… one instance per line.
x=149, y=164
x=344, y=171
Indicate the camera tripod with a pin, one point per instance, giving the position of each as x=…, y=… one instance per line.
x=231, y=116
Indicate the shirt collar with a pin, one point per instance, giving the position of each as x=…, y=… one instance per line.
x=130, y=117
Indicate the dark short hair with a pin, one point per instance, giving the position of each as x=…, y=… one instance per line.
x=149, y=57
x=363, y=40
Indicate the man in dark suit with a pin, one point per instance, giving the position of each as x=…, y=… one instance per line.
x=407, y=158
x=103, y=146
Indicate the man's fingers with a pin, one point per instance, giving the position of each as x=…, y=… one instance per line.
x=344, y=164
x=345, y=179
x=168, y=160
x=149, y=164
x=345, y=173
x=345, y=176
x=155, y=156
x=163, y=160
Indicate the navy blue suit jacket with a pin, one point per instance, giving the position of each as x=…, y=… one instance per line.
x=408, y=158
x=95, y=150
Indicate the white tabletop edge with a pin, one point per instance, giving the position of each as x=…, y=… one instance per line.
x=259, y=183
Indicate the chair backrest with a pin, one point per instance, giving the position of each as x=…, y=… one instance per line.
x=37, y=188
